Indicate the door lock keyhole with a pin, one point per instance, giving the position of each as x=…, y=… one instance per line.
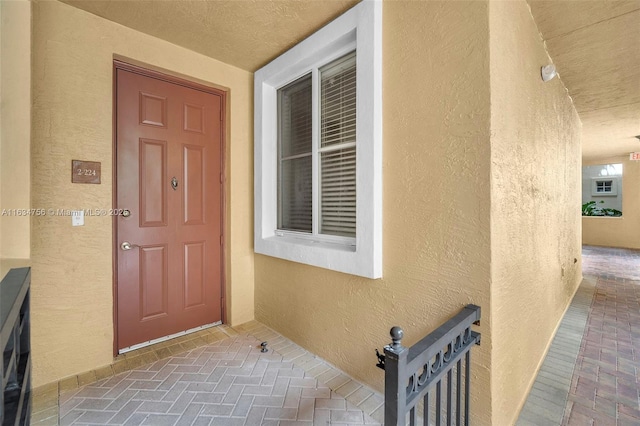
x=174, y=183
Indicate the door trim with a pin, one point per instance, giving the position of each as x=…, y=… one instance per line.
x=120, y=65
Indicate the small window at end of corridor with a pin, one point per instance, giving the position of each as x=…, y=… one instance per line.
x=318, y=148
x=602, y=190
x=603, y=187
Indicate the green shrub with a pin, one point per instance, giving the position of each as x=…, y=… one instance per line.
x=592, y=209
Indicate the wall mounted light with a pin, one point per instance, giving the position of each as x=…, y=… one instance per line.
x=548, y=72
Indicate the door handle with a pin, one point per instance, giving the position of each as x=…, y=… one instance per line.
x=127, y=246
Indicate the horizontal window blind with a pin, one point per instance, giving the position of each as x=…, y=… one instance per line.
x=338, y=102
x=338, y=205
x=295, y=197
x=338, y=147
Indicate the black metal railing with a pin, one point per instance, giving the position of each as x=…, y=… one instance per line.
x=411, y=374
x=15, y=370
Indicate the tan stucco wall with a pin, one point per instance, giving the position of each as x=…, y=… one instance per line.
x=436, y=205
x=617, y=231
x=1, y=104
x=72, y=329
x=15, y=95
x=535, y=194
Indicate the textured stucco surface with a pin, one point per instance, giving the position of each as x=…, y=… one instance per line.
x=596, y=48
x=72, y=329
x=535, y=198
x=436, y=205
x=1, y=61
x=246, y=34
x=617, y=231
x=15, y=86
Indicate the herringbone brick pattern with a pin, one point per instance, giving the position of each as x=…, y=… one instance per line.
x=229, y=382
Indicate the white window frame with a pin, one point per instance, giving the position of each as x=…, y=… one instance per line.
x=614, y=186
x=360, y=29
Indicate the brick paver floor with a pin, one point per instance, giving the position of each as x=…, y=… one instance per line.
x=230, y=382
x=590, y=375
x=605, y=383
x=226, y=382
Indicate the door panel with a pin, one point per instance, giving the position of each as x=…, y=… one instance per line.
x=153, y=110
x=194, y=273
x=194, y=118
x=153, y=178
x=194, y=176
x=153, y=282
x=170, y=279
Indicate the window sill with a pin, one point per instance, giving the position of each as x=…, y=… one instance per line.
x=602, y=217
x=308, y=242
x=337, y=257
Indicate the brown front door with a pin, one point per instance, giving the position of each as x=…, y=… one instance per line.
x=168, y=143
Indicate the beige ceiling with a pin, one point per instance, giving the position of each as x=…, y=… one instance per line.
x=595, y=46
x=244, y=33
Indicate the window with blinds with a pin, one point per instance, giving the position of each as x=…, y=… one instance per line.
x=318, y=148
x=338, y=147
x=295, y=168
x=331, y=209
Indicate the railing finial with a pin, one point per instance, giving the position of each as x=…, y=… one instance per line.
x=396, y=336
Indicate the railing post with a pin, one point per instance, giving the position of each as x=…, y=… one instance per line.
x=411, y=374
x=395, y=387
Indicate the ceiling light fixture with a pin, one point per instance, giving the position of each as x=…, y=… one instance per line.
x=548, y=72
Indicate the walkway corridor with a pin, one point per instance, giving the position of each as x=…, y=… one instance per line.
x=604, y=388
x=591, y=374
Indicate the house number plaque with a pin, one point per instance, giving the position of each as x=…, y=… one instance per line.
x=85, y=171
